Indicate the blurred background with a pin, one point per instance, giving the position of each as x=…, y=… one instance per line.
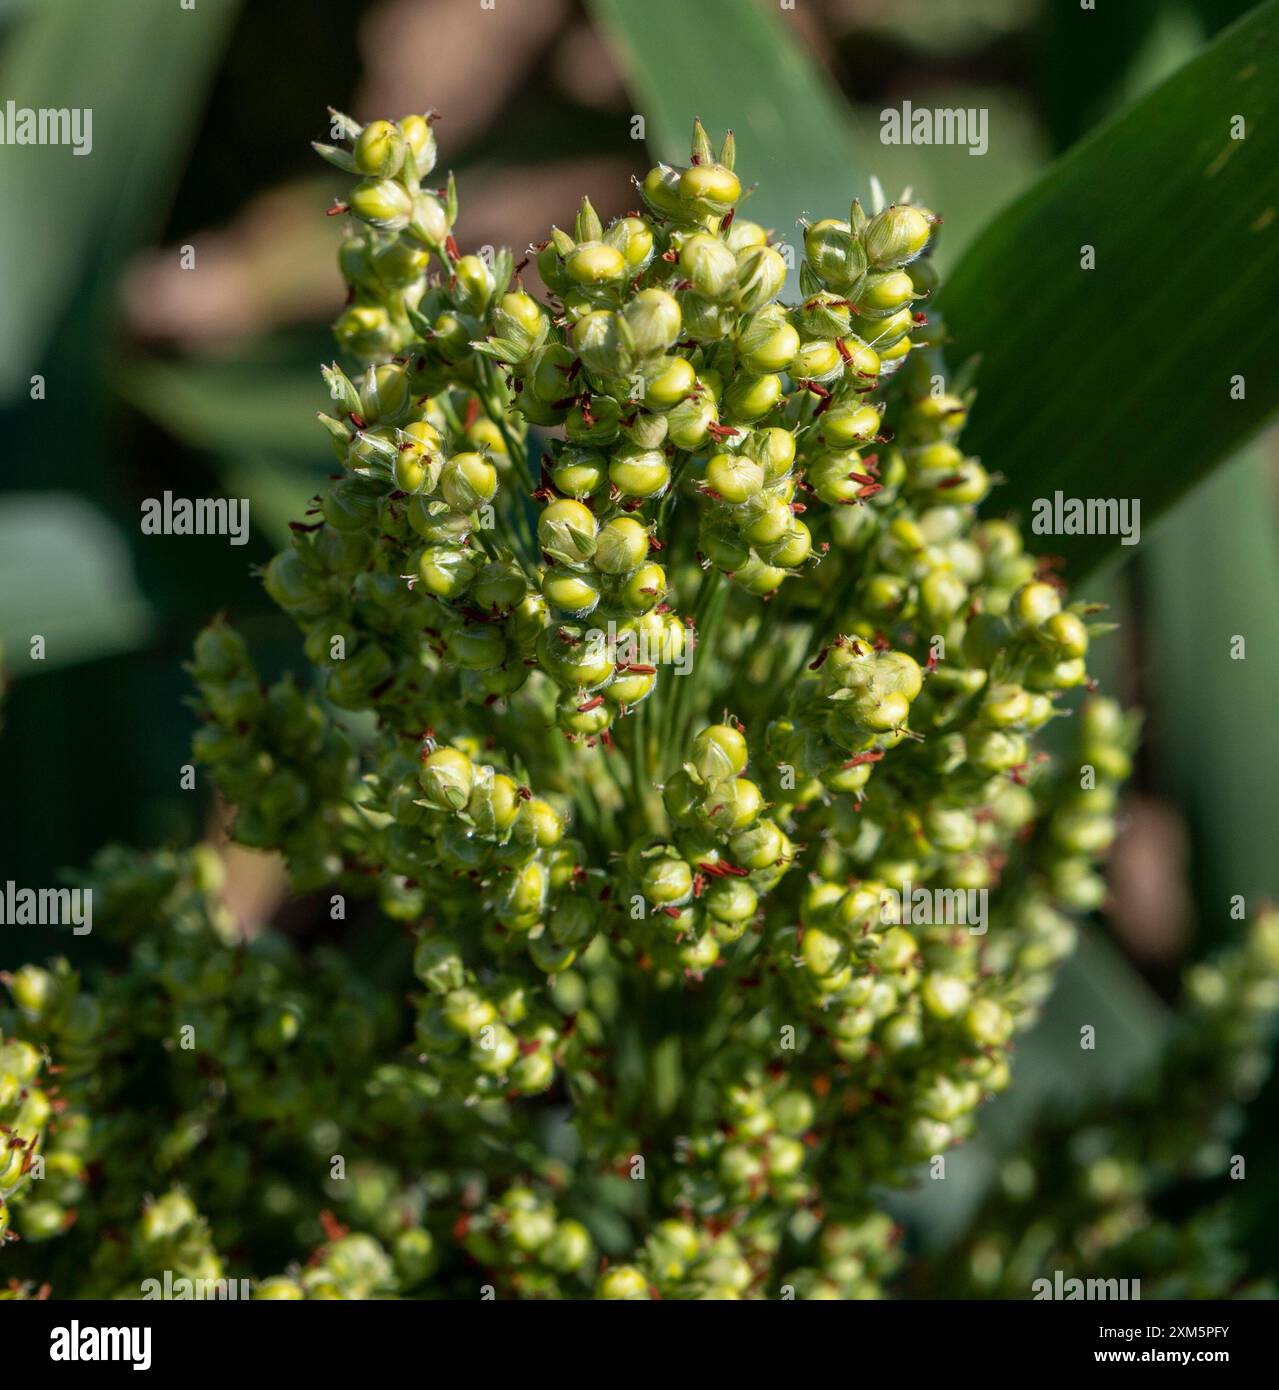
x=204, y=381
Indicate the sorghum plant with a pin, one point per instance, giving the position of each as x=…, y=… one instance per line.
x=668, y=690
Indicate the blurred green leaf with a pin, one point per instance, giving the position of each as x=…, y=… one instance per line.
x=1081, y=57
x=1211, y=574
x=1117, y=381
x=736, y=66
x=225, y=406
x=257, y=420
x=65, y=574
x=144, y=80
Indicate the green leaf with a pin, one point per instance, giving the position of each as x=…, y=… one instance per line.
x=1116, y=381
x=226, y=406
x=66, y=576
x=1211, y=575
x=257, y=418
x=144, y=79
x=737, y=66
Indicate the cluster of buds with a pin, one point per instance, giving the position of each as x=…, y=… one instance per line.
x=491, y=1037
x=521, y=1240
x=712, y=949
x=399, y=225
x=689, y=897
x=1096, y=1183
x=25, y=1110
x=276, y=753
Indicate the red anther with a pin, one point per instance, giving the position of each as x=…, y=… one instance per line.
x=301, y=526
x=709, y=492
x=358, y=421
x=333, y=1228
x=862, y=478
x=671, y=911
x=869, y=490
x=819, y=661
x=873, y=755
x=721, y=432
x=472, y=412
x=699, y=885
x=728, y=220
x=670, y=255
x=931, y=663
x=655, y=544
x=522, y=264
x=635, y=668
x=882, y=644
x=337, y=210
x=461, y=1226
x=798, y=507
x=871, y=464
x=607, y=740
x=451, y=247
x=593, y=703
x=952, y=480
x=843, y=349
x=919, y=317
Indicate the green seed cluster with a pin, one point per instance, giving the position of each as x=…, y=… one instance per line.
x=277, y=755
x=25, y=1109
x=622, y=774
x=1087, y=1195
x=532, y=1250
x=694, y=895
